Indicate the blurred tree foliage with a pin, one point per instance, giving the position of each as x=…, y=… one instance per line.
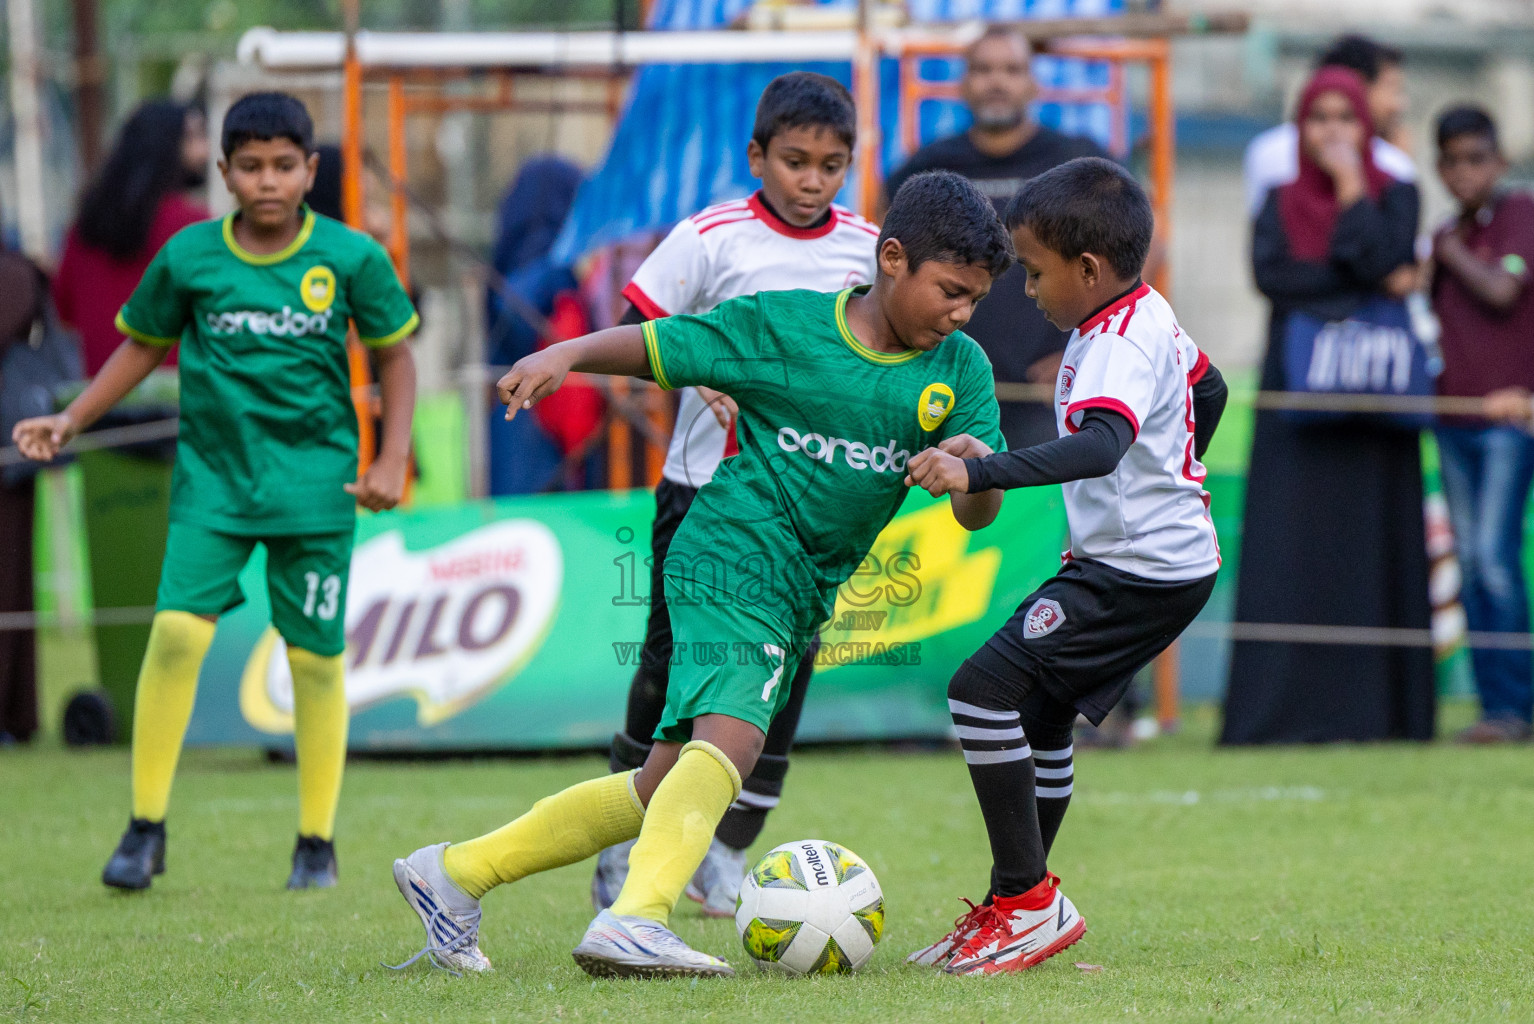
x=229, y=18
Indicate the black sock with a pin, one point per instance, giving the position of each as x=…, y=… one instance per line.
x=626, y=753
x=1054, y=778
x=1049, y=725
x=1001, y=767
x=760, y=791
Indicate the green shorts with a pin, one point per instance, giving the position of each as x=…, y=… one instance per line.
x=306, y=578
x=729, y=658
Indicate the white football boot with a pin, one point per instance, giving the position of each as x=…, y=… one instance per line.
x=965, y=927
x=1021, y=932
x=716, y=883
x=636, y=947
x=449, y=915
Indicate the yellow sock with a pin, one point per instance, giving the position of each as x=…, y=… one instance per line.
x=686, y=808
x=162, y=705
x=320, y=720
x=561, y=829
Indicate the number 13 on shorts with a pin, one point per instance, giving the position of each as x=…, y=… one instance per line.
x=772, y=681
x=327, y=590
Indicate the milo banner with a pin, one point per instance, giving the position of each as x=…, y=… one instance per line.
x=517, y=624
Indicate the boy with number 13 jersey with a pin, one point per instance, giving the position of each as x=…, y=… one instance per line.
x=788, y=235
x=267, y=454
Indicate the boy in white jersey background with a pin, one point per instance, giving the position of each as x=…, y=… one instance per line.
x=1136, y=403
x=787, y=235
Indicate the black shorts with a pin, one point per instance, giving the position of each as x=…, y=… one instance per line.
x=1085, y=633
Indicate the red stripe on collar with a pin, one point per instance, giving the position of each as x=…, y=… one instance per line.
x=766, y=216
x=1107, y=313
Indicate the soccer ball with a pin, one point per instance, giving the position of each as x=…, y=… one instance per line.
x=810, y=907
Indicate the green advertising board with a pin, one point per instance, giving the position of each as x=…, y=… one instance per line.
x=516, y=624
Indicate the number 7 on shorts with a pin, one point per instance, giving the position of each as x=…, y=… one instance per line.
x=772, y=681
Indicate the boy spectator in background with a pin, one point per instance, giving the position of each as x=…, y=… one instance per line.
x=1273, y=158
x=261, y=302
x=1481, y=294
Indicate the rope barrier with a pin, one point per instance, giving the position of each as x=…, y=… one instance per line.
x=1254, y=632
x=1006, y=391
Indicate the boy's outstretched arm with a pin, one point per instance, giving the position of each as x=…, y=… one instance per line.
x=383, y=485
x=41, y=437
x=1094, y=450
x=617, y=351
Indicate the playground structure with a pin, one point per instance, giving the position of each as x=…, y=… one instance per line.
x=477, y=72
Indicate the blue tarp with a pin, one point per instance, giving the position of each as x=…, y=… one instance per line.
x=681, y=144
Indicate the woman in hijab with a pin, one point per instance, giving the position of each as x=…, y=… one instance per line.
x=1333, y=530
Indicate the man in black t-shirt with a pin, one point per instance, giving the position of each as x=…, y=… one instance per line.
x=1002, y=149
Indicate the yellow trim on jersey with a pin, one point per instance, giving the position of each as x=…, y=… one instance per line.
x=137, y=335
x=394, y=337
x=652, y=353
x=257, y=260
x=882, y=358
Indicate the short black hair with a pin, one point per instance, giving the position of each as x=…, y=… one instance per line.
x=1002, y=31
x=1088, y=205
x=1466, y=119
x=263, y=116
x=942, y=216
x=1361, y=54
x=804, y=99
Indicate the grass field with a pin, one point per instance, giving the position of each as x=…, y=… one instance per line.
x=1339, y=884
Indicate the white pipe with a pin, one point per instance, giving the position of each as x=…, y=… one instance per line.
x=294, y=51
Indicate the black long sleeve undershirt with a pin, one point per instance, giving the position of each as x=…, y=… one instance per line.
x=1094, y=450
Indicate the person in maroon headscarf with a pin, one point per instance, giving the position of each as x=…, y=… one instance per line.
x=1333, y=532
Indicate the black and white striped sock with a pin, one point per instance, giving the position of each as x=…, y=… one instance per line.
x=1001, y=769
x=1054, y=777
x=988, y=736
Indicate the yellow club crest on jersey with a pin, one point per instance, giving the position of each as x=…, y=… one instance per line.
x=934, y=405
x=318, y=288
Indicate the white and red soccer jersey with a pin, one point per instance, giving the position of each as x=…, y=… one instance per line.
x=732, y=249
x=1150, y=516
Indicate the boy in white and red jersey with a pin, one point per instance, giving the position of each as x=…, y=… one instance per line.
x=1136, y=403
x=787, y=235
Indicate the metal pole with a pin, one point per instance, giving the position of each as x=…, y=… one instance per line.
x=351, y=118
x=90, y=74
x=31, y=211
x=1163, y=154
x=399, y=210
x=865, y=91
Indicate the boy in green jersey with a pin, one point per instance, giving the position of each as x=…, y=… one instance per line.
x=836, y=392
x=267, y=454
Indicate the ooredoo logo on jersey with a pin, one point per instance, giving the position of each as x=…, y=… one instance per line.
x=883, y=458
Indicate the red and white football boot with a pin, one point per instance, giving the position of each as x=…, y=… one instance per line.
x=965, y=927
x=1020, y=931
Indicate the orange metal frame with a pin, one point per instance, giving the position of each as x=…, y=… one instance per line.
x=1154, y=52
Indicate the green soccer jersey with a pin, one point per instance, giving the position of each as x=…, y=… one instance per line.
x=826, y=428
x=268, y=429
